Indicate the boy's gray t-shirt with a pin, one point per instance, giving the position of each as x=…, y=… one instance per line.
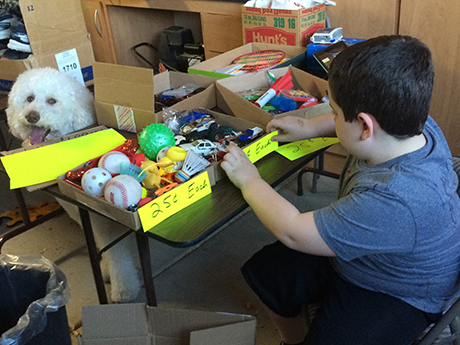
x=396, y=226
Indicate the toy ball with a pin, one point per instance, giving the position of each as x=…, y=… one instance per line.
x=154, y=137
x=111, y=161
x=123, y=191
x=94, y=180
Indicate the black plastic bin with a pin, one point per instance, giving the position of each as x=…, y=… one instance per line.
x=33, y=294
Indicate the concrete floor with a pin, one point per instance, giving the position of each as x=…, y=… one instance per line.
x=205, y=277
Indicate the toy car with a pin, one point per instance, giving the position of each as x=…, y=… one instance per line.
x=202, y=146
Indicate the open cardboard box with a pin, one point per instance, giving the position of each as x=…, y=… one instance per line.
x=138, y=324
x=124, y=95
x=231, y=103
x=295, y=55
x=53, y=27
x=131, y=219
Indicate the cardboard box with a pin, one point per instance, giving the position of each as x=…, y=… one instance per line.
x=53, y=27
x=231, y=103
x=124, y=95
x=138, y=324
x=131, y=218
x=285, y=27
x=209, y=67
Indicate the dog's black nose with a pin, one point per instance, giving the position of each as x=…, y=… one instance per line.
x=33, y=117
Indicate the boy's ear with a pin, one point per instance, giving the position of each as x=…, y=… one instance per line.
x=367, y=125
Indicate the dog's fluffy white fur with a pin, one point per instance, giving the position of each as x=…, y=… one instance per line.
x=44, y=104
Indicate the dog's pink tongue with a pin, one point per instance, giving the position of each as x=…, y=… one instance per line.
x=38, y=135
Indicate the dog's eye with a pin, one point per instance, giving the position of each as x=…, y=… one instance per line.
x=30, y=98
x=51, y=101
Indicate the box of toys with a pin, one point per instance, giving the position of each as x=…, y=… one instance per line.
x=250, y=58
x=285, y=27
x=299, y=94
x=130, y=98
x=136, y=323
x=57, y=37
x=163, y=160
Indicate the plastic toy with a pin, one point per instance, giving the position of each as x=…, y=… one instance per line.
x=132, y=170
x=153, y=179
x=193, y=164
x=154, y=137
x=123, y=191
x=111, y=161
x=202, y=146
x=284, y=82
x=94, y=181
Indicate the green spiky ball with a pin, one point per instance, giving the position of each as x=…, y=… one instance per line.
x=154, y=137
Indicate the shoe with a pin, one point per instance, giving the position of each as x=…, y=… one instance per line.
x=4, y=43
x=5, y=22
x=14, y=55
x=18, y=37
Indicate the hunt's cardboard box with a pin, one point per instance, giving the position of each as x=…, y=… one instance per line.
x=138, y=324
x=232, y=103
x=295, y=57
x=285, y=27
x=124, y=95
x=58, y=38
x=131, y=219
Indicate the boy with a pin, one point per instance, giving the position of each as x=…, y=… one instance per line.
x=384, y=259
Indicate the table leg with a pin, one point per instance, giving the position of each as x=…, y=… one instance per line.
x=93, y=256
x=146, y=266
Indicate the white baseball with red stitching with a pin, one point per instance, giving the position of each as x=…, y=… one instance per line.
x=123, y=191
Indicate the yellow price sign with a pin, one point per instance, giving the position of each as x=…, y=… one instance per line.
x=173, y=201
x=261, y=147
x=301, y=148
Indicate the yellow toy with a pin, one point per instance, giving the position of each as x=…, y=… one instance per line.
x=153, y=178
x=174, y=157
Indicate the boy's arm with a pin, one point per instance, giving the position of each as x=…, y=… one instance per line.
x=294, y=229
x=293, y=128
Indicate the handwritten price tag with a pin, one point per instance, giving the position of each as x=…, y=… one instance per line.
x=173, y=201
x=302, y=148
x=261, y=147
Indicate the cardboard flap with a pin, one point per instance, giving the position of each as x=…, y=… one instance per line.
x=124, y=85
x=175, y=323
x=242, y=333
x=115, y=321
x=53, y=20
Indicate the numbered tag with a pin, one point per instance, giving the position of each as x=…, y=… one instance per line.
x=297, y=149
x=173, y=201
x=261, y=147
x=68, y=63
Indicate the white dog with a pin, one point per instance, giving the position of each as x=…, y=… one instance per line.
x=44, y=104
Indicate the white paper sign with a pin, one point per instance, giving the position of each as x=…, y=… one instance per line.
x=68, y=63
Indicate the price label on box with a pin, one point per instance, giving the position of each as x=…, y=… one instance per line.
x=261, y=147
x=173, y=201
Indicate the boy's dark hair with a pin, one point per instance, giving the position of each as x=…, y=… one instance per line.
x=389, y=77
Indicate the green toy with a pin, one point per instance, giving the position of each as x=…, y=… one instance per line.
x=153, y=138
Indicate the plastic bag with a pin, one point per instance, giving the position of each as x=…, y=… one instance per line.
x=33, y=321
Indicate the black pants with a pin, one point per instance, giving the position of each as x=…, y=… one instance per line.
x=285, y=280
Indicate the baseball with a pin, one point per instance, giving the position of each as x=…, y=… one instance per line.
x=123, y=191
x=94, y=181
x=111, y=161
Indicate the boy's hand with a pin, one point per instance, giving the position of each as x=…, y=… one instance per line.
x=290, y=128
x=238, y=167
